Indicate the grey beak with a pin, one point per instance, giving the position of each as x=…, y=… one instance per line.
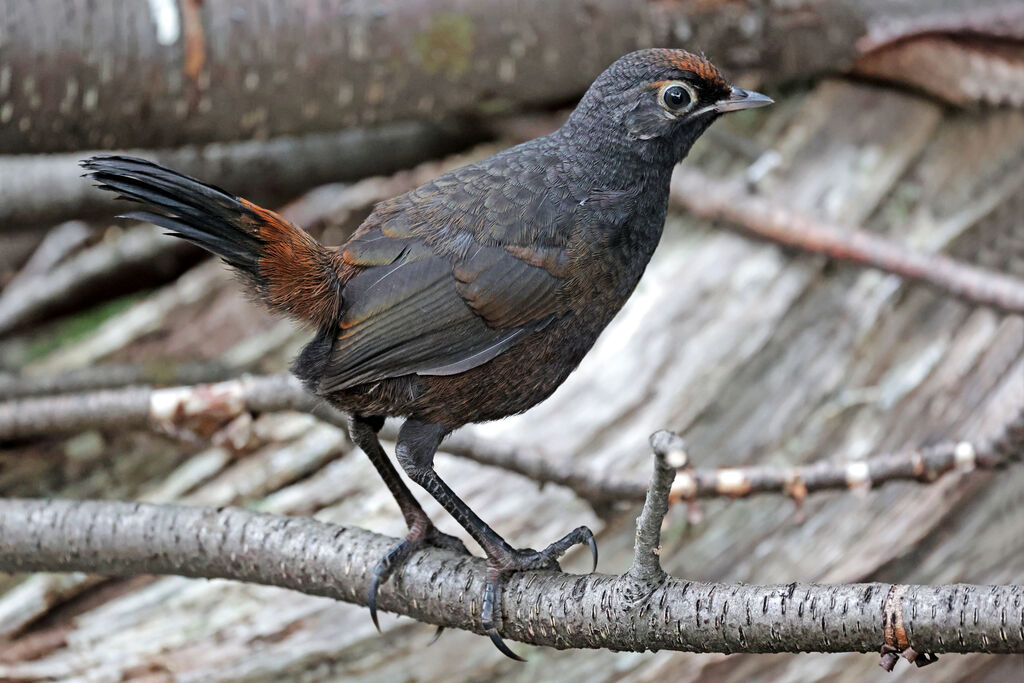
x=742, y=99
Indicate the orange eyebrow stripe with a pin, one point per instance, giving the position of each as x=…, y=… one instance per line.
x=701, y=67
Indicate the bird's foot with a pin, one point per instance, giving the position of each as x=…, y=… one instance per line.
x=501, y=564
x=418, y=536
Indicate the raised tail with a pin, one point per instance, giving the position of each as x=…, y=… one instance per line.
x=289, y=270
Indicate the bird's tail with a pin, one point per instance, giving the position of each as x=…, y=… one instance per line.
x=289, y=271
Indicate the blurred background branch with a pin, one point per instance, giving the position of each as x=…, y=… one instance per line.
x=204, y=410
x=41, y=189
x=339, y=64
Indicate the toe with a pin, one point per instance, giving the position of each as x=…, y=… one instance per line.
x=578, y=536
x=382, y=572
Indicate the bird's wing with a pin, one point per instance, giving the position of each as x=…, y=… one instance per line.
x=428, y=309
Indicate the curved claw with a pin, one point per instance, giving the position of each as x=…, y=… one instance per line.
x=399, y=554
x=437, y=634
x=487, y=613
x=502, y=647
x=371, y=598
x=593, y=550
x=382, y=572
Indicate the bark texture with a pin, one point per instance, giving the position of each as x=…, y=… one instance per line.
x=544, y=608
x=44, y=189
x=123, y=75
x=158, y=74
x=209, y=405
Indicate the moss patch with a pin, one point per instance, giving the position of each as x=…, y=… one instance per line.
x=79, y=326
x=446, y=45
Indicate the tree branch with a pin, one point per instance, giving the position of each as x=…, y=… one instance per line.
x=728, y=200
x=114, y=376
x=543, y=608
x=924, y=465
x=48, y=188
x=337, y=64
x=204, y=408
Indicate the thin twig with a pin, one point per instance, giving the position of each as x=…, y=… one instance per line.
x=565, y=610
x=924, y=465
x=204, y=408
x=113, y=376
x=731, y=201
x=201, y=408
x=647, y=546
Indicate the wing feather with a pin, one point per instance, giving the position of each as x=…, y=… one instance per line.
x=448, y=277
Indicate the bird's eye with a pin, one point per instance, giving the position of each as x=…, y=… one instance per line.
x=676, y=97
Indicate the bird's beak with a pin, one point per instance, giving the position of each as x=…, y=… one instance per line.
x=742, y=99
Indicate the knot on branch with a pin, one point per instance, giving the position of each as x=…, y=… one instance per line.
x=669, y=450
x=897, y=642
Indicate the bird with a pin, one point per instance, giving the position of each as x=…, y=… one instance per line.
x=472, y=297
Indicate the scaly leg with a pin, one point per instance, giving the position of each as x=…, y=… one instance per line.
x=363, y=432
x=417, y=444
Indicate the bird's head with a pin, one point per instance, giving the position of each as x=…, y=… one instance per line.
x=660, y=101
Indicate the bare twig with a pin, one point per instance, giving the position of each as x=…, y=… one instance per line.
x=924, y=465
x=204, y=408
x=565, y=610
x=669, y=454
x=112, y=376
x=717, y=199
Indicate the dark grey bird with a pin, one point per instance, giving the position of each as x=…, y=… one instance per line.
x=472, y=297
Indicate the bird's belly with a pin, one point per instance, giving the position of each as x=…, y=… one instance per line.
x=512, y=382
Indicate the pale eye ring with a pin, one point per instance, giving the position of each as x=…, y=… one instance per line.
x=677, y=97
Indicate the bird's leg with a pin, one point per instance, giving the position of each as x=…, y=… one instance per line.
x=417, y=444
x=363, y=432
